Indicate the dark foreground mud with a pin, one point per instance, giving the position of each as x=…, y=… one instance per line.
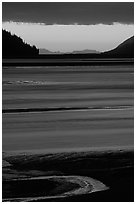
x=106, y=175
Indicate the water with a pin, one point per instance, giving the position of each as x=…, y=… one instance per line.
x=88, y=106
x=67, y=131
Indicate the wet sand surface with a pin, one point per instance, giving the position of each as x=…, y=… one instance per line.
x=71, y=108
x=100, y=175
x=67, y=129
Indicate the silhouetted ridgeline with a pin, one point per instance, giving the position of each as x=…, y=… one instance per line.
x=13, y=46
x=125, y=49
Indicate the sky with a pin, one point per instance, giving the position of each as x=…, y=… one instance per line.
x=59, y=26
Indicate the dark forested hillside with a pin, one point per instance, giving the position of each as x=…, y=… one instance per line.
x=13, y=46
x=125, y=49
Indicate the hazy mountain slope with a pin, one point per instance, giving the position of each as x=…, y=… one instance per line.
x=86, y=51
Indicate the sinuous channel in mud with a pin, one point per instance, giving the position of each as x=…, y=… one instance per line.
x=72, y=185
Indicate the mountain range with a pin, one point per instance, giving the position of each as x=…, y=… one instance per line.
x=14, y=46
x=125, y=49
x=43, y=51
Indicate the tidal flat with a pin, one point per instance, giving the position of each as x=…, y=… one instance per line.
x=68, y=130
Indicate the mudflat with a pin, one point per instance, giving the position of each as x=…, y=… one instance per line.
x=68, y=121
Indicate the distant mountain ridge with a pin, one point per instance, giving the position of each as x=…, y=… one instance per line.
x=43, y=51
x=13, y=46
x=124, y=50
x=86, y=51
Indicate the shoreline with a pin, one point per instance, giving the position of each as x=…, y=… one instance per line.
x=71, y=150
x=65, y=61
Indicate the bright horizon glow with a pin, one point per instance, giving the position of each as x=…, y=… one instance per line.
x=66, y=38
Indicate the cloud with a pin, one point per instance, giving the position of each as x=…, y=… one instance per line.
x=82, y=13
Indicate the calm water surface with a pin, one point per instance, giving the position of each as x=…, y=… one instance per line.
x=107, y=92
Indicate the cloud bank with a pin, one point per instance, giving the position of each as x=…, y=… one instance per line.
x=69, y=13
